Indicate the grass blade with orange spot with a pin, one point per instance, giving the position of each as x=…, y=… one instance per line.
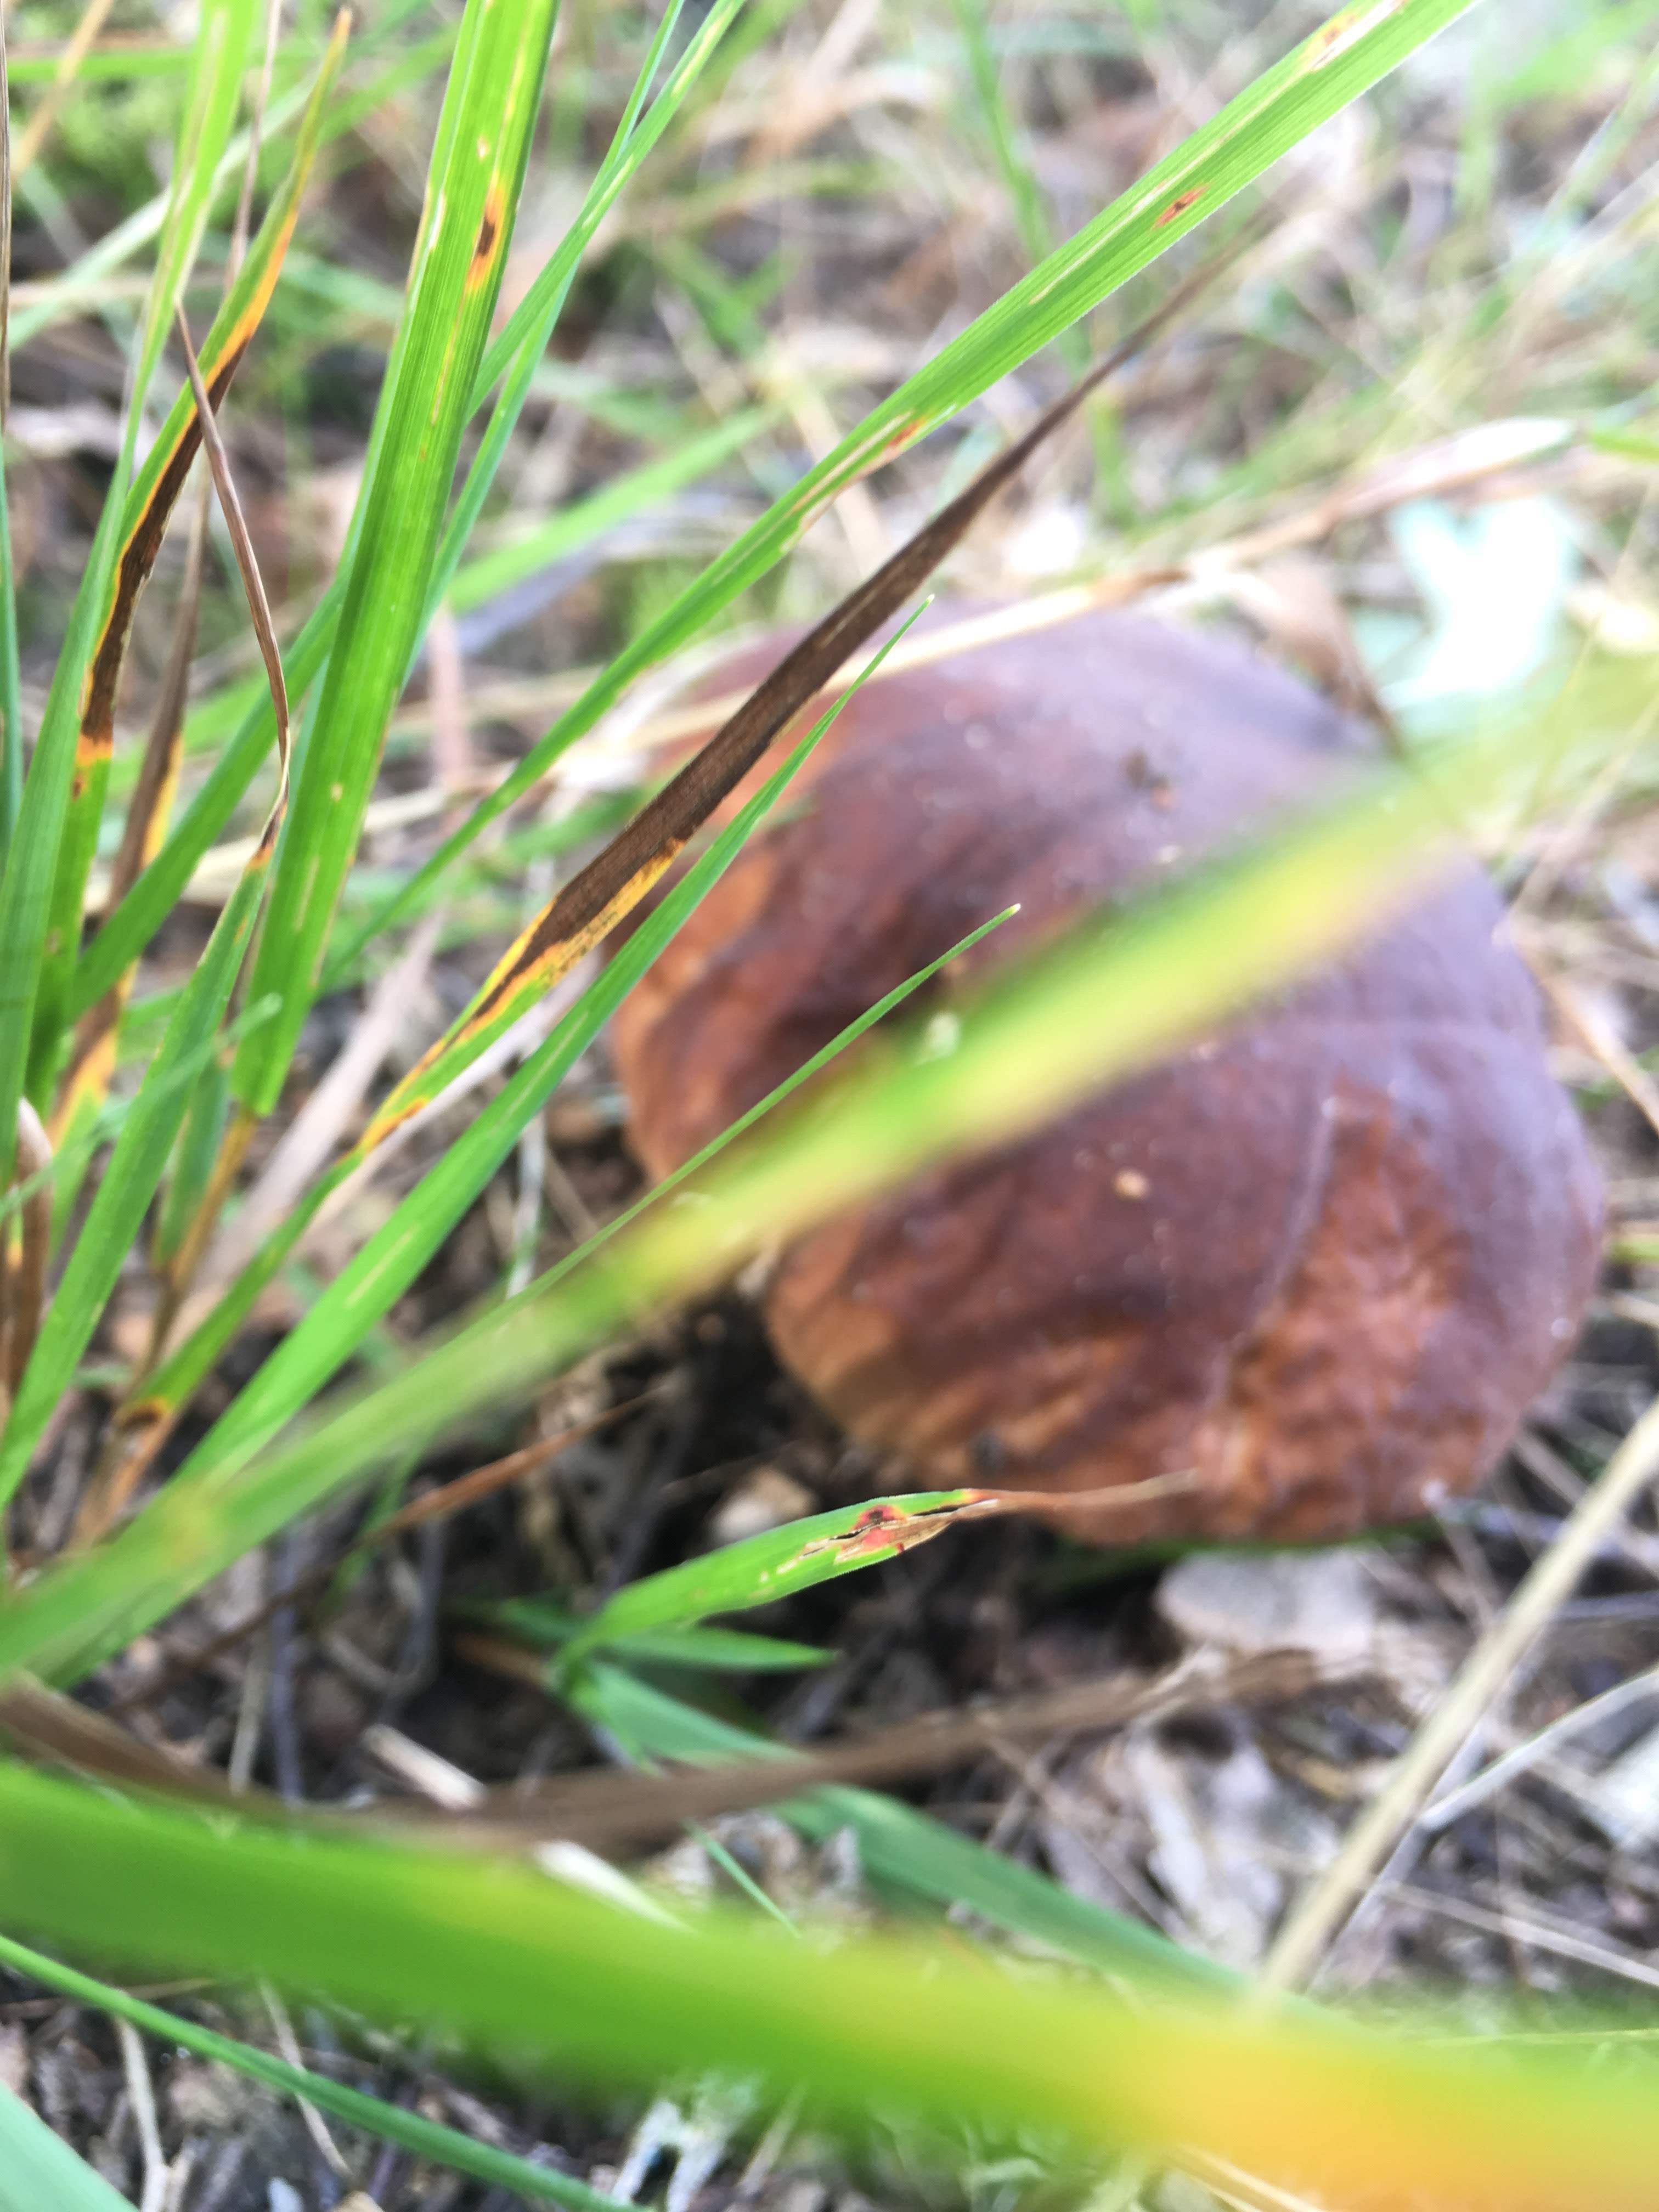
x=779, y=1563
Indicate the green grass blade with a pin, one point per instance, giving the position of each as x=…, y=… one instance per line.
x=38, y=2168
x=540, y=1971
x=548, y=1625
x=11, y=714
x=1024, y=194
x=1356, y=46
x=778, y=1563
x=26, y=890
x=907, y=1850
x=476, y=176
x=758, y=1112
x=651, y=484
x=630, y=146
x=199, y=1140
x=425, y=2138
x=11, y=705
x=218, y=63
x=719, y=1652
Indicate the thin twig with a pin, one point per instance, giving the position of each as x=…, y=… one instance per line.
x=319, y=1127
x=604, y=1810
x=1521, y=1758
x=1322, y=1914
x=289, y=2044
x=1599, y=1035
x=247, y=560
x=141, y=2093
x=243, y=222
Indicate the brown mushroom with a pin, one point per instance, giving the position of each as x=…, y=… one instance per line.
x=1319, y=1265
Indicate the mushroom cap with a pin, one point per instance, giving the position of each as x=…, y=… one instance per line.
x=1318, y=1265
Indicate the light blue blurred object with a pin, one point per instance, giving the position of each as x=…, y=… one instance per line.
x=1494, y=586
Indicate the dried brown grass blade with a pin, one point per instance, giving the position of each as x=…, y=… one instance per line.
x=194, y=1242
x=603, y=1810
x=252, y=583
x=606, y=1811
x=93, y=1060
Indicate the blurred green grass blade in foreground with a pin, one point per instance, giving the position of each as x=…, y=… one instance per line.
x=1109, y=999
x=549, y=1977
x=38, y=2171
x=763, y=1107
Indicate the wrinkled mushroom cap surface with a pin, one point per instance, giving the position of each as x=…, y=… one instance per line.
x=1319, y=1265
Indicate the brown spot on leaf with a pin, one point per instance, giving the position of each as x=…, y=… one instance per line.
x=1335, y=37
x=1179, y=204
x=490, y=232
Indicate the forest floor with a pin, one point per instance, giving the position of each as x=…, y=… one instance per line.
x=1473, y=246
